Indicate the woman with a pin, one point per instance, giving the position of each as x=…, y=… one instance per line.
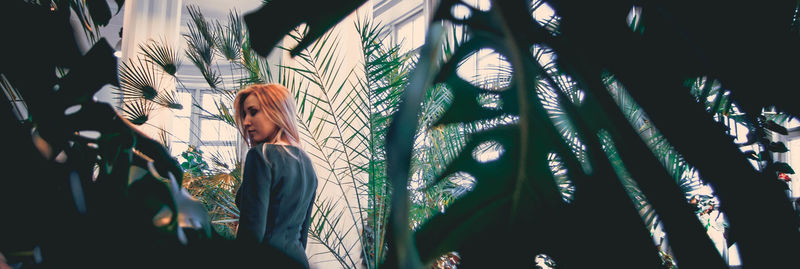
x=278, y=180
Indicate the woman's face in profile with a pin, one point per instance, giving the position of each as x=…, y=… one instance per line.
x=258, y=127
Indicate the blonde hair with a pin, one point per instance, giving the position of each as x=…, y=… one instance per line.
x=279, y=107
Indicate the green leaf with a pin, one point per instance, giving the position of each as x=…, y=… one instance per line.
x=99, y=11
x=120, y=4
x=772, y=126
x=777, y=147
x=783, y=168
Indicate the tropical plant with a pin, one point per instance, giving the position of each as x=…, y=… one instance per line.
x=215, y=188
x=342, y=121
x=346, y=112
x=116, y=178
x=344, y=107
x=215, y=180
x=524, y=202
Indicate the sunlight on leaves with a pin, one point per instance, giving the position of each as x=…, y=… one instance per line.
x=488, y=151
x=559, y=171
x=486, y=69
x=461, y=12
x=545, y=16
x=490, y=101
x=482, y=5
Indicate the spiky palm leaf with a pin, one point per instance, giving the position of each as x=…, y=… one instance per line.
x=347, y=121
x=228, y=38
x=203, y=29
x=631, y=187
x=138, y=80
x=199, y=47
x=169, y=100
x=138, y=111
x=376, y=97
x=257, y=67
x=201, y=54
x=200, y=41
x=161, y=54
x=216, y=191
x=321, y=128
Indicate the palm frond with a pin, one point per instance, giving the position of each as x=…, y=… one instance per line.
x=336, y=120
x=138, y=80
x=202, y=61
x=215, y=190
x=200, y=48
x=137, y=111
x=229, y=37
x=670, y=158
x=324, y=228
x=636, y=195
x=161, y=54
x=168, y=99
x=257, y=67
x=201, y=25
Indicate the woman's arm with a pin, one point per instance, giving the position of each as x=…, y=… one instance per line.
x=254, y=199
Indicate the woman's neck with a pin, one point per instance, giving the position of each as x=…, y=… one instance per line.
x=283, y=143
x=280, y=141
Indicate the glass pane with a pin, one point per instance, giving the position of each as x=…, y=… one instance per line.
x=210, y=101
x=227, y=132
x=418, y=33
x=209, y=130
x=215, y=130
x=410, y=34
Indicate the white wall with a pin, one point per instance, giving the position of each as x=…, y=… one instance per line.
x=145, y=20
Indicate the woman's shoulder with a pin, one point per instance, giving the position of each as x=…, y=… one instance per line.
x=282, y=150
x=279, y=147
